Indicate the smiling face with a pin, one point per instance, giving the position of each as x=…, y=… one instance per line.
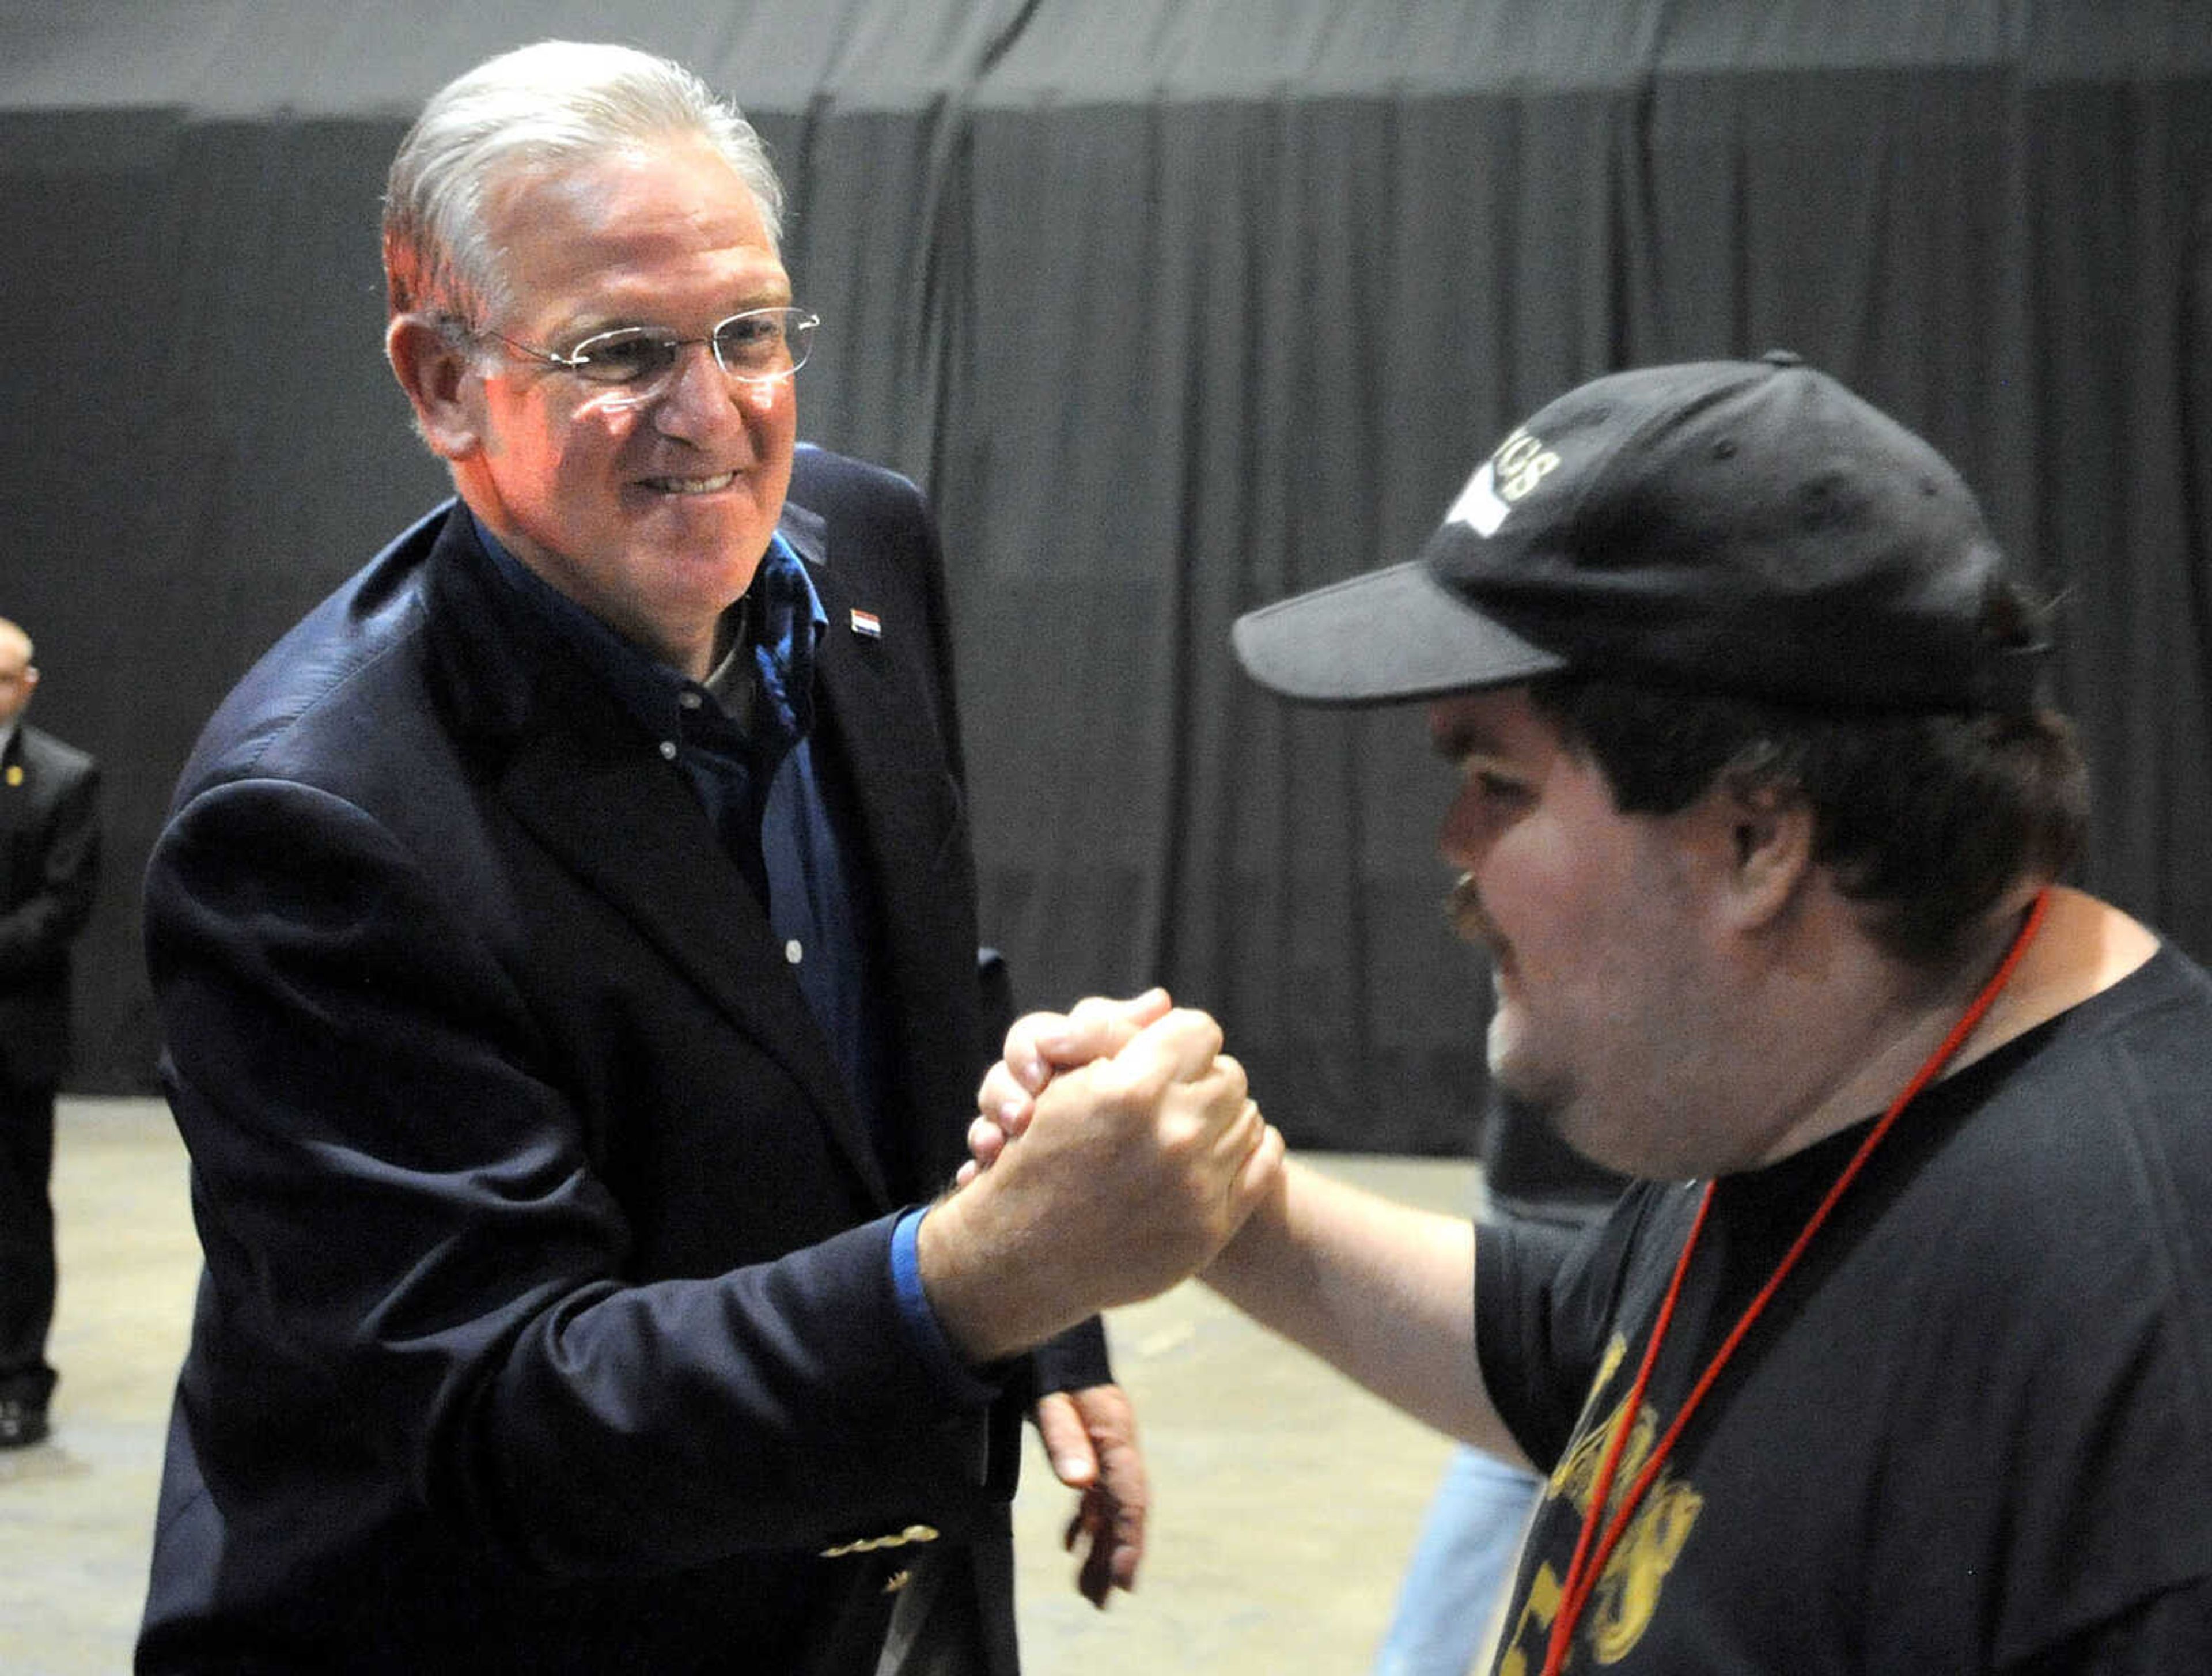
x=653, y=515
x=1607, y=984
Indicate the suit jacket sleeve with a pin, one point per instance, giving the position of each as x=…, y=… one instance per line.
x=412, y=1240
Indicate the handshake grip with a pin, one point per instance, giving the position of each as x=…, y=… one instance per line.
x=1119, y=1151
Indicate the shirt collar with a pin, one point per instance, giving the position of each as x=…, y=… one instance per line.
x=650, y=690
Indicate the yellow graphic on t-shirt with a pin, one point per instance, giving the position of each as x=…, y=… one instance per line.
x=1627, y=1594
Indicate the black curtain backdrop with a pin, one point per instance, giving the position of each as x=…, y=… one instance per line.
x=1174, y=306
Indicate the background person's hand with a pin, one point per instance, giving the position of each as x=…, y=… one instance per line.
x=1091, y=1437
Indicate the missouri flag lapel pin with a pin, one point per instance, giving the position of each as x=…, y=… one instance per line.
x=867, y=624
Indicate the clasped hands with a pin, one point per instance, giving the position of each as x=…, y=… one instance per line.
x=1141, y=1153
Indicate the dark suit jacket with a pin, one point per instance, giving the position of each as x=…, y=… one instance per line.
x=49, y=865
x=547, y=1321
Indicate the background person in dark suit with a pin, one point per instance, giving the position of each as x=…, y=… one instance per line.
x=565, y=944
x=49, y=863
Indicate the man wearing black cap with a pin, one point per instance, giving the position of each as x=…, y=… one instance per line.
x=1898, y=1354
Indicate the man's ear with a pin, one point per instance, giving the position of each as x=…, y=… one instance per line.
x=1769, y=840
x=435, y=372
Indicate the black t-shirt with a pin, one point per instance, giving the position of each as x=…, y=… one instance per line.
x=1972, y=1432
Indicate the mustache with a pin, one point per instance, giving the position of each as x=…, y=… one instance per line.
x=1463, y=908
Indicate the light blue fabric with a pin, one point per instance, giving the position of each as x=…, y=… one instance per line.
x=1462, y=1568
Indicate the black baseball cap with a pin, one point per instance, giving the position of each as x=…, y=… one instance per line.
x=1746, y=527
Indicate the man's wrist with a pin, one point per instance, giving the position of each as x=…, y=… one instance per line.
x=952, y=1368
x=983, y=1298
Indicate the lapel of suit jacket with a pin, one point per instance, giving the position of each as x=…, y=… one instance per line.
x=881, y=723
x=601, y=801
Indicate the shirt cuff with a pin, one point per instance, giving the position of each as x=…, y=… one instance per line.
x=967, y=1384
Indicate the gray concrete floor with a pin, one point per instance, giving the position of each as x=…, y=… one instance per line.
x=1286, y=1500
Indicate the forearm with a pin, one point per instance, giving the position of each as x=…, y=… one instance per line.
x=1381, y=1291
x=770, y=1407
x=997, y=1286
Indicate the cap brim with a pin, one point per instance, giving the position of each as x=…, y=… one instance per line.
x=1387, y=636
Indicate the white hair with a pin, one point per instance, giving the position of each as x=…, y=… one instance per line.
x=537, y=106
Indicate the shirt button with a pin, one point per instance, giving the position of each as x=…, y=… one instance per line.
x=793, y=952
x=689, y=700
x=668, y=750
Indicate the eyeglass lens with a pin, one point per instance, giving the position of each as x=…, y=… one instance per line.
x=760, y=343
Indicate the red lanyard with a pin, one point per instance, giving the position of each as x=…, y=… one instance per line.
x=1587, y=1567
